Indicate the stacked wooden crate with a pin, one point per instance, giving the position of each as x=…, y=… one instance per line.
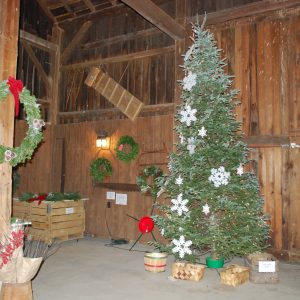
x=63, y=220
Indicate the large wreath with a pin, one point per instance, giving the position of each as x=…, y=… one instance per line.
x=100, y=168
x=34, y=136
x=143, y=181
x=122, y=151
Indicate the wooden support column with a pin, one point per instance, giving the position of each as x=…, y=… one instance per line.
x=9, y=27
x=57, y=34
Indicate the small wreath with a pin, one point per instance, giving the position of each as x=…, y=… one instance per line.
x=143, y=181
x=100, y=168
x=34, y=136
x=125, y=154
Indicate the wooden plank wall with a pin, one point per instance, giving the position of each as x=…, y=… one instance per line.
x=151, y=133
x=263, y=55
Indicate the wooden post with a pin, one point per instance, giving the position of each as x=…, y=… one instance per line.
x=9, y=28
x=57, y=34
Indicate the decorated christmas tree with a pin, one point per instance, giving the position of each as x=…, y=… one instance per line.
x=215, y=204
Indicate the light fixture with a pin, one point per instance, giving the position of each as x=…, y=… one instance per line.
x=103, y=140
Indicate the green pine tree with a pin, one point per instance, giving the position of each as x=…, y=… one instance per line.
x=215, y=204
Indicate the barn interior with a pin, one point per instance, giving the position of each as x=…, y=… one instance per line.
x=55, y=48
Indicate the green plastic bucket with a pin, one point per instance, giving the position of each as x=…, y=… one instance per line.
x=214, y=263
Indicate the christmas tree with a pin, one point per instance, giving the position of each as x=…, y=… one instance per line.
x=215, y=204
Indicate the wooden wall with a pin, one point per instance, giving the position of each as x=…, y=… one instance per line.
x=263, y=55
x=74, y=148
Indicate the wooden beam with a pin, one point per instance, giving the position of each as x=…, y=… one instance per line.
x=9, y=27
x=57, y=35
x=264, y=141
x=46, y=10
x=68, y=8
x=92, y=115
x=113, y=2
x=37, y=41
x=120, y=58
x=89, y=4
x=121, y=38
x=37, y=64
x=76, y=40
x=99, y=12
x=247, y=10
x=158, y=18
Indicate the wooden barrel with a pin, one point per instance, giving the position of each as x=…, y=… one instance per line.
x=155, y=262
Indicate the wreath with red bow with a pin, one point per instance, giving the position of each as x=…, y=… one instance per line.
x=34, y=136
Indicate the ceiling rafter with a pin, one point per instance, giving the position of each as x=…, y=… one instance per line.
x=46, y=10
x=68, y=8
x=158, y=17
x=76, y=40
x=90, y=5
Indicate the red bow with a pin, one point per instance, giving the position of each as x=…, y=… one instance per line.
x=39, y=198
x=15, y=87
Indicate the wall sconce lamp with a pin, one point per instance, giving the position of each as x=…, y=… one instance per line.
x=103, y=140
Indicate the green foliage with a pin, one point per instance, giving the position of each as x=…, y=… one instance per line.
x=121, y=149
x=147, y=181
x=33, y=136
x=220, y=212
x=100, y=168
x=50, y=196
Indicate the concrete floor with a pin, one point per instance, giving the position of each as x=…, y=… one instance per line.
x=89, y=270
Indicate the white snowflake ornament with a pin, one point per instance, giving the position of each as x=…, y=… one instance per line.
x=182, y=246
x=205, y=209
x=179, y=205
x=189, y=81
x=182, y=139
x=179, y=180
x=188, y=115
x=191, y=145
x=202, y=132
x=219, y=177
x=240, y=170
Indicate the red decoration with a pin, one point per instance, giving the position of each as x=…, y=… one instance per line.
x=121, y=147
x=146, y=224
x=14, y=241
x=15, y=87
x=39, y=198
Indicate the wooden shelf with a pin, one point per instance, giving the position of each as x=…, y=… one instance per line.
x=130, y=187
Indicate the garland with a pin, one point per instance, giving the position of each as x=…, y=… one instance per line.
x=30, y=197
x=121, y=152
x=100, y=168
x=143, y=178
x=34, y=136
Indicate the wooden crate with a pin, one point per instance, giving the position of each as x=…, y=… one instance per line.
x=187, y=271
x=256, y=275
x=50, y=220
x=234, y=275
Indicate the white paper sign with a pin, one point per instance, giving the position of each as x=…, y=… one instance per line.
x=121, y=199
x=266, y=266
x=69, y=210
x=110, y=195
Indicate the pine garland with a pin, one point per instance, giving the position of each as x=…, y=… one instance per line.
x=16, y=155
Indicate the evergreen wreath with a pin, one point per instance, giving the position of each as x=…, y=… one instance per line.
x=121, y=151
x=100, y=168
x=34, y=136
x=143, y=180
